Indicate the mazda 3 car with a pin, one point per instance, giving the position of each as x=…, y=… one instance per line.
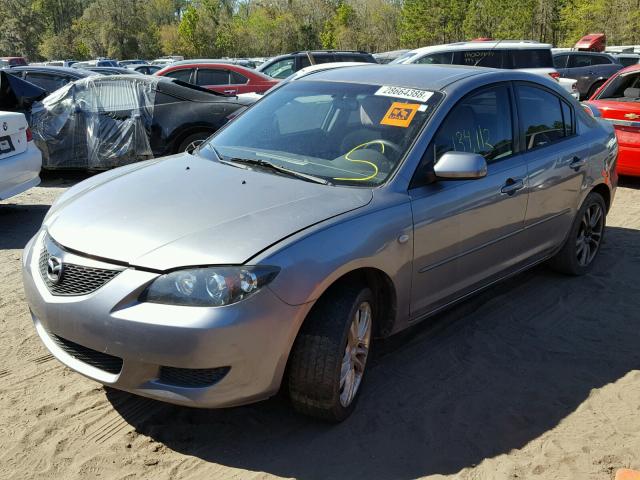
x=343, y=207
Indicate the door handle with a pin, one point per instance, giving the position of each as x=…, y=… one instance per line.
x=511, y=186
x=230, y=91
x=577, y=163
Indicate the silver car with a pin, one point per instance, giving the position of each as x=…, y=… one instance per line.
x=345, y=206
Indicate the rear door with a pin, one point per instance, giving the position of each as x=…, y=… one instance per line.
x=557, y=160
x=467, y=232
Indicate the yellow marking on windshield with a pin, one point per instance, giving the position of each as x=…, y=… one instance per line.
x=375, y=167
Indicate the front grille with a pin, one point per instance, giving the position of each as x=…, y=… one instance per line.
x=102, y=361
x=74, y=279
x=192, y=377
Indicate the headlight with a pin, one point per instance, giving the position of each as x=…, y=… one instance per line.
x=208, y=287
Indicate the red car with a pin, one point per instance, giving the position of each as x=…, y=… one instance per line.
x=618, y=101
x=225, y=78
x=15, y=61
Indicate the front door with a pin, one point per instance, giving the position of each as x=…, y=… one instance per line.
x=466, y=232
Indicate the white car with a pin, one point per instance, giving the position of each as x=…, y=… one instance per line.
x=303, y=72
x=20, y=159
x=523, y=55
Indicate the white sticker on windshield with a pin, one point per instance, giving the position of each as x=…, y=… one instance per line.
x=406, y=93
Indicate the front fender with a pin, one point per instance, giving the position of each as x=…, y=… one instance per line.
x=313, y=260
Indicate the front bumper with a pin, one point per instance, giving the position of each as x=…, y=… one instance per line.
x=251, y=338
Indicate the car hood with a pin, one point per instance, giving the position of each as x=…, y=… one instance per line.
x=185, y=210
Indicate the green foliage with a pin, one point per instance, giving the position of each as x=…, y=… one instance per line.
x=215, y=28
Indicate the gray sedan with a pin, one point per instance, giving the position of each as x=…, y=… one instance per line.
x=342, y=207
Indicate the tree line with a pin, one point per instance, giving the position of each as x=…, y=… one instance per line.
x=82, y=29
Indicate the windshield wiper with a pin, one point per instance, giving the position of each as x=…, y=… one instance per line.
x=277, y=168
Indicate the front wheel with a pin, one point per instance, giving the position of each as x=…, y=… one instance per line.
x=581, y=248
x=329, y=357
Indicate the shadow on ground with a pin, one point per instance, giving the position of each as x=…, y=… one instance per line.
x=487, y=377
x=18, y=223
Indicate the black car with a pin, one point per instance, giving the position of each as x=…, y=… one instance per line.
x=107, y=121
x=16, y=95
x=49, y=79
x=590, y=69
x=285, y=65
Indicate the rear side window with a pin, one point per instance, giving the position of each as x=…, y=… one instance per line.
x=578, y=61
x=480, y=58
x=281, y=69
x=531, y=58
x=184, y=75
x=440, y=58
x=480, y=123
x=600, y=60
x=237, y=78
x=325, y=58
x=48, y=82
x=212, y=76
x=542, y=117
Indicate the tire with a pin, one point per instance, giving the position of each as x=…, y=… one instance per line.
x=580, y=250
x=195, y=139
x=321, y=354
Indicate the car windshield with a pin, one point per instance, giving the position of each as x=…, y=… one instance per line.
x=623, y=88
x=353, y=134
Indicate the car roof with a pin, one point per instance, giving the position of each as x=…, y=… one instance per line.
x=429, y=77
x=488, y=45
x=583, y=52
x=74, y=72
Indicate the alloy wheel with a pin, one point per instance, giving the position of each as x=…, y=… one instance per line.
x=355, y=355
x=589, y=234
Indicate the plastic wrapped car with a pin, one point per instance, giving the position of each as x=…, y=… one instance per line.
x=104, y=122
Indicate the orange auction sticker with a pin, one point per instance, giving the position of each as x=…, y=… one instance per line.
x=626, y=474
x=400, y=114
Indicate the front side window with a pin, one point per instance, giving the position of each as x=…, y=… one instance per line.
x=480, y=123
x=184, y=75
x=212, y=76
x=353, y=134
x=441, y=58
x=541, y=115
x=281, y=69
x=560, y=61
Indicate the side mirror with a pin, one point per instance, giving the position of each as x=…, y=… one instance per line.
x=460, y=166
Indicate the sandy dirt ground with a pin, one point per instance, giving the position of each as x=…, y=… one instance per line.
x=537, y=378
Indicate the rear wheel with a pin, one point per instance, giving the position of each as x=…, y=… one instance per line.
x=585, y=238
x=329, y=358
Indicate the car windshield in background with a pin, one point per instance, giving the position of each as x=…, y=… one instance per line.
x=623, y=88
x=343, y=133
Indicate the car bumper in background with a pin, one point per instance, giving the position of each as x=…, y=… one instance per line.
x=200, y=357
x=20, y=172
x=629, y=159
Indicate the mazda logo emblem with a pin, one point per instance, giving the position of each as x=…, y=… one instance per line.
x=54, y=270
x=5, y=126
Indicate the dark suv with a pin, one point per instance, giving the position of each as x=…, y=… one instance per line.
x=590, y=69
x=285, y=65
